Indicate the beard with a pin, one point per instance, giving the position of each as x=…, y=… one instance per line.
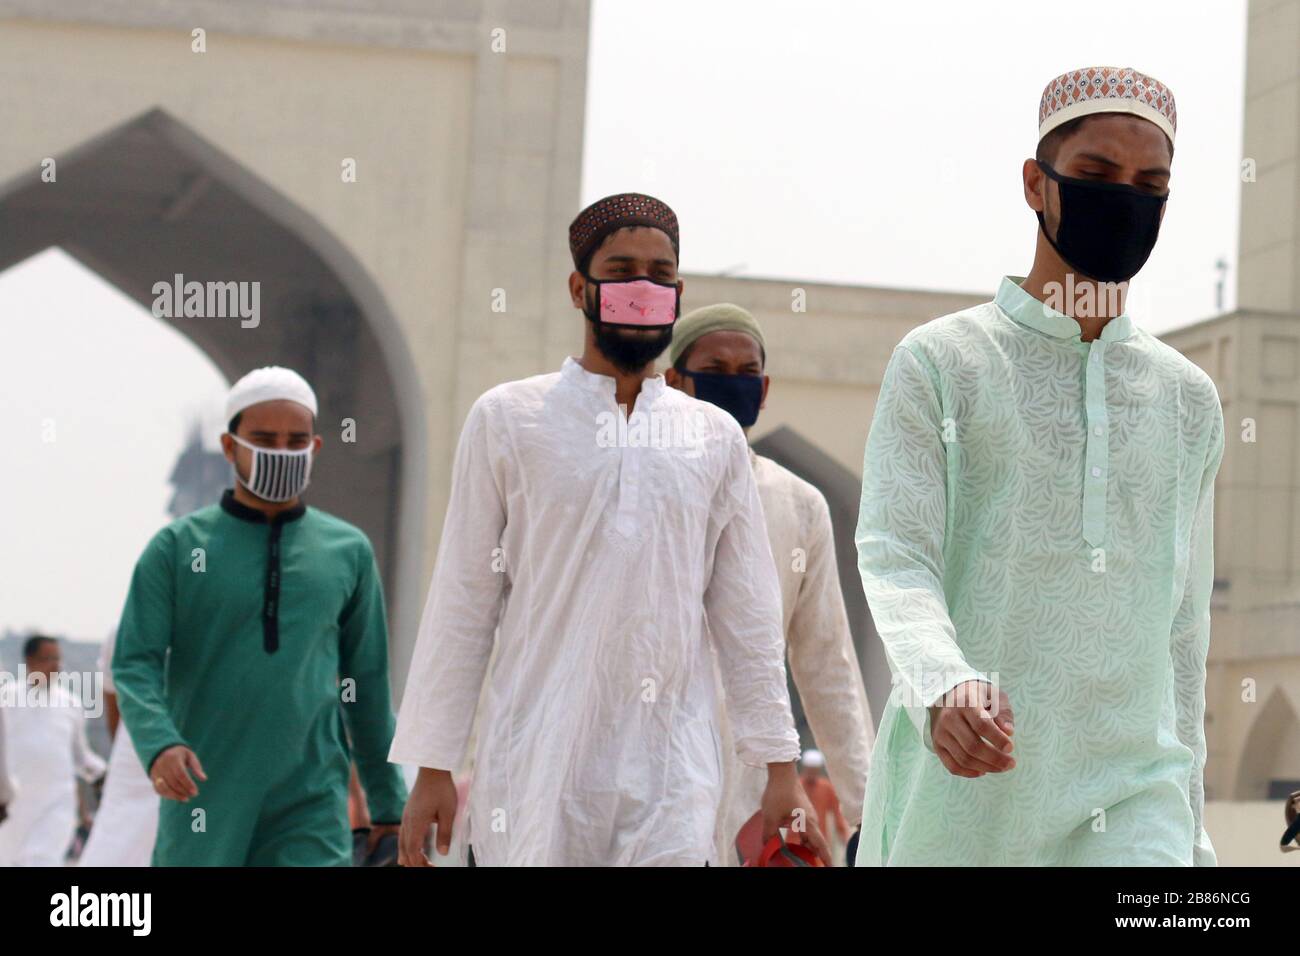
x=631, y=350
x=628, y=350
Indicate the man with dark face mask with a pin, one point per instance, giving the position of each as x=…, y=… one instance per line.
x=718, y=356
x=1036, y=529
x=252, y=649
x=597, y=521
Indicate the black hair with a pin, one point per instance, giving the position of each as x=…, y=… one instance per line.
x=685, y=355
x=1049, y=147
x=33, y=644
x=586, y=260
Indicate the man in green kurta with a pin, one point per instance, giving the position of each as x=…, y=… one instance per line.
x=253, y=635
x=1035, y=535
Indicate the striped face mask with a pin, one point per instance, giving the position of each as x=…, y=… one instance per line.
x=277, y=475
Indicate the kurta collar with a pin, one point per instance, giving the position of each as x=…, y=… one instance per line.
x=573, y=372
x=1024, y=309
x=238, y=509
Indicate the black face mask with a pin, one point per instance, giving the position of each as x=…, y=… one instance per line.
x=1106, y=230
x=741, y=395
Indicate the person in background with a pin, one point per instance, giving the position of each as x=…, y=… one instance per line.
x=126, y=823
x=45, y=740
x=718, y=355
x=1291, y=812
x=254, y=631
x=822, y=794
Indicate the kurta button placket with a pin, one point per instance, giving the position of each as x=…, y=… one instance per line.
x=631, y=463
x=1097, y=453
x=271, y=593
x=629, y=490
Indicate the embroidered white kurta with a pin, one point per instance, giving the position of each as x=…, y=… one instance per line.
x=819, y=645
x=47, y=750
x=1040, y=509
x=594, y=546
x=126, y=823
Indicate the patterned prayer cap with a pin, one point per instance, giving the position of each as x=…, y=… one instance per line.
x=1106, y=89
x=614, y=212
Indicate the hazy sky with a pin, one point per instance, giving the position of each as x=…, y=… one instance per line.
x=84, y=504
x=881, y=143
x=865, y=143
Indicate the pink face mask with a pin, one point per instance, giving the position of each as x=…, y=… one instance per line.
x=636, y=302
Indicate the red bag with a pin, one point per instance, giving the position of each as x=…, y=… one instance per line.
x=779, y=853
x=776, y=852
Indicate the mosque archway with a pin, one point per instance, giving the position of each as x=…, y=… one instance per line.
x=152, y=199
x=1267, y=755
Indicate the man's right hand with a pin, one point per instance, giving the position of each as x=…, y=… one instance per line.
x=171, y=774
x=432, y=801
x=969, y=737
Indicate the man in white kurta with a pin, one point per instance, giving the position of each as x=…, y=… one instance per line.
x=819, y=647
x=718, y=354
x=598, y=743
x=126, y=822
x=593, y=543
x=45, y=739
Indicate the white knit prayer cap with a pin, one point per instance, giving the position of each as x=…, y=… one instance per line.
x=268, y=384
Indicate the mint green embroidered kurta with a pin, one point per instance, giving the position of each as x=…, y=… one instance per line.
x=1039, y=509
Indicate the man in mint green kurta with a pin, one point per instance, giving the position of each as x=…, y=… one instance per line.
x=1036, y=526
x=253, y=634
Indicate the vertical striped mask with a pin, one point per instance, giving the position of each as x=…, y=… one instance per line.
x=276, y=475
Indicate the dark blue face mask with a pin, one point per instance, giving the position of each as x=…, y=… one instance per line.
x=741, y=395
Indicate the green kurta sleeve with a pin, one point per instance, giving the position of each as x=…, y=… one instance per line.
x=363, y=658
x=900, y=539
x=140, y=656
x=1190, y=641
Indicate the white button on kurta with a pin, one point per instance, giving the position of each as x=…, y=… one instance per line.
x=594, y=547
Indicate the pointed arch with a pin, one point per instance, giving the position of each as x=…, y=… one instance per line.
x=150, y=199
x=1275, y=723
